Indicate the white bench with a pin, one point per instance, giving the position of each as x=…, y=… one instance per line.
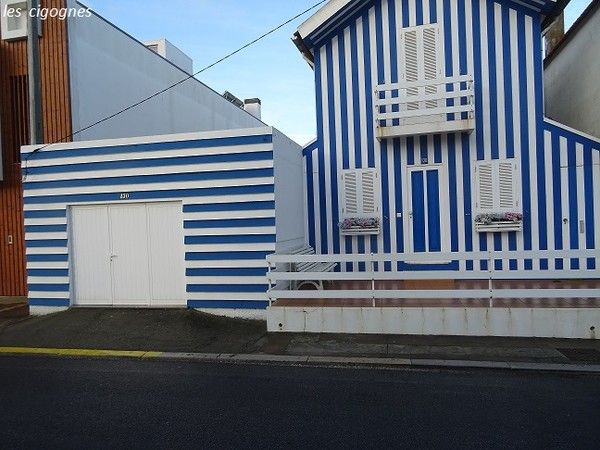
x=310, y=267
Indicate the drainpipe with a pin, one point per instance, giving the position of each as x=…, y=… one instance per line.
x=36, y=132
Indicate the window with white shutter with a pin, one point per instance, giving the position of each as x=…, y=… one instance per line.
x=497, y=186
x=360, y=197
x=422, y=61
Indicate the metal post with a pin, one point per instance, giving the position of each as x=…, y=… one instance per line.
x=36, y=131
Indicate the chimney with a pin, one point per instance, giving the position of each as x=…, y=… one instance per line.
x=253, y=106
x=555, y=33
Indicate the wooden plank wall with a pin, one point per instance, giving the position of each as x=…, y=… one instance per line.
x=15, y=131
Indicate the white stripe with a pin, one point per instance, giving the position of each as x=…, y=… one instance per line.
x=48, y=265
x=46, y=221
x=44, y=294
x=376, y=144
x=564, y=193
x=242, y=132
x=412, y=13
x=596, y=199
x=216, y=215
x=46, y=251
x=338, y=126
x=205, y=200
x=227, y=296
x=47, y=280
x=43, y=236
x=231, y=263
x=238, y=247
x=146, y=187
x=226, y=231
x=317, y=200
x=155, y=154
x=581, y=199
x=158, y=170
x=224, y=280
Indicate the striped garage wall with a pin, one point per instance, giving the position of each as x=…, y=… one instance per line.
x=499, y=44
x=224, y=179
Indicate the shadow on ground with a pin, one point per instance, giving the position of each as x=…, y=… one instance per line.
x=174, y=330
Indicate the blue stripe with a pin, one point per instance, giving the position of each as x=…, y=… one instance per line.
x=310, y=197
x=143, y=195
x=321, y=154
x=478, y=80
x=556, y=189
x=238, y=206
x=355, y=96
x=42, y=243
x=453, y=192
x=231, y=239
x=153, y=147
x=47, y=258
x=45, y=228
x=368, y=89
x=48, y=287
x=227, y=272
x=225, y=256
x=48, y=272
x=49, y=302
x=229, y=223
x=227, y=304
x=588, y=186
x=148, y=179
x=46, y=214
x=508, y=98
x=254, y=288
x=149, y=163
x=332, y=149
x=573, y=208
x=343, y=102
x=492, y=92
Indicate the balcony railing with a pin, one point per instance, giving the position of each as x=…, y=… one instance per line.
x=444, y=105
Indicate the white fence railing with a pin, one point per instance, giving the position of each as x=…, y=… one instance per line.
x=489, y=266
x=425, y=102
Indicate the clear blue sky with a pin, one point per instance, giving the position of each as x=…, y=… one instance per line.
x=272, y=69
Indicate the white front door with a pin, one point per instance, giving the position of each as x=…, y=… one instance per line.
x=128, y=254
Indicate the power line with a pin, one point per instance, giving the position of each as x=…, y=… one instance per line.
x=162, y=91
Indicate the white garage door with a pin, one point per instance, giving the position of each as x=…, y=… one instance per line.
x=128, y=255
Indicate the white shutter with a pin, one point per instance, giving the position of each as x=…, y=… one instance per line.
x=498, y=186
x=360, y=193
x=485, y=196
x=369, y=198
x=422, y=61
x=350, y=206
x=506, y=198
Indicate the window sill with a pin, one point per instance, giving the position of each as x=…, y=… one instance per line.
x=359, y=231
x=498, y=227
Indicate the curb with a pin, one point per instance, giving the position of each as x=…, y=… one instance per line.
x=303, y=360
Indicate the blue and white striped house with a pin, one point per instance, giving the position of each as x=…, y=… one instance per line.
x=176, y=220
x=431, y=112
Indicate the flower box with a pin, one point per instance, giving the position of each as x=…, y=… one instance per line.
x=359, y=226
x=498, y=222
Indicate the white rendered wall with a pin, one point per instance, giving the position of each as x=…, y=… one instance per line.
x=110, y=70
x=572, y=80
x=289, y=192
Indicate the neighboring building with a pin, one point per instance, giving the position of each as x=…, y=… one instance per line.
x=177, y=220
x=90, y=69
x=433, y=155
x=572, y=74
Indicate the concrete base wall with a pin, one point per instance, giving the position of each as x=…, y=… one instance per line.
x=252, y=314
x=580, y=323
x=45, y=310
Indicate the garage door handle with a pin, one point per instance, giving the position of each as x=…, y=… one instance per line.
x=113, y=257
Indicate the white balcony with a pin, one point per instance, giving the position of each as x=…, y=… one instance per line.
x=417, y=108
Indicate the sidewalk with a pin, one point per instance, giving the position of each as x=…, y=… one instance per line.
x=191, y=335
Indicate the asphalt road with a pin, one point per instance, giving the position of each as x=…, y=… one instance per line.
x=88, y=403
